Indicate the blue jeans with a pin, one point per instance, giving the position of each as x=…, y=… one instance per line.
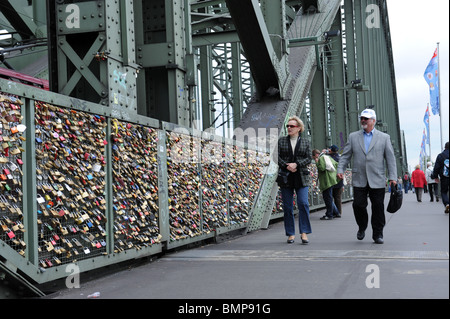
x=329, y=203
x=287, y=195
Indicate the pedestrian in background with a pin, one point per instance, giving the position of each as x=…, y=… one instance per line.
x=441, y=169
x=327, y=179
x=294, y=156
x=372, y=152
x=419, y=181
x=339, y=187
x=406, y=181
x=432, y=183
x=399, y=183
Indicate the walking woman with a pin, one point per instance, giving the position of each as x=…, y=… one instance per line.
x=294, y=156
x=419, y=181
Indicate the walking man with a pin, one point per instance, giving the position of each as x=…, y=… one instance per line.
x=371, y=151
x=441, y=170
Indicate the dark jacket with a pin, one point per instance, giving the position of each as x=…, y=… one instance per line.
x=302, y=158
x=439, y=165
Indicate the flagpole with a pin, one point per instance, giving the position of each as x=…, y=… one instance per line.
x=429, y=128
x=440, y=101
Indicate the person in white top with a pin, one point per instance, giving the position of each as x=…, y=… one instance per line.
x=432, y=183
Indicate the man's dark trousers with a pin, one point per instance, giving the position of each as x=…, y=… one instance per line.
x=360, y=203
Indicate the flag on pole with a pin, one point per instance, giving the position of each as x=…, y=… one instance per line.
x=421, y=159
x=426, y=120
x=424, y=141
x=432, y=77
x=423, y=151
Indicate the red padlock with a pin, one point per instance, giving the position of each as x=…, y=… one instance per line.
x=10, y=234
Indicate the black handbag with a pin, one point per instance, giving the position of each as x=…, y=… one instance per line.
x=282, y=177
x=395, y=202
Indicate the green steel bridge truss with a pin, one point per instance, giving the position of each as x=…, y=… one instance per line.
x=159, y=126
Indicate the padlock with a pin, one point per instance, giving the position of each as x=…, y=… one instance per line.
x=48, y=262
x=64, y=230
x=10, y=233
x=56, y=260
x=40, y=199
x=7, y=173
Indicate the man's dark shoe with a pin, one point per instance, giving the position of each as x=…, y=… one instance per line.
x=360, y=235
x=379, y=240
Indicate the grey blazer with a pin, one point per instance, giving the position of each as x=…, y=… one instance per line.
x=369, y=168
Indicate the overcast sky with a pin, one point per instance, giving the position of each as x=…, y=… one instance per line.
x=416, y=27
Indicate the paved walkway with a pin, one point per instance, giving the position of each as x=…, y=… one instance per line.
x=412, y=263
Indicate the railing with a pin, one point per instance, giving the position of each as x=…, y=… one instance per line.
x=93, y=186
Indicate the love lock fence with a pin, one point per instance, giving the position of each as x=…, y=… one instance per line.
x=91, y=185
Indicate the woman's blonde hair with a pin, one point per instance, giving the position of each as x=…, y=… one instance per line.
x=299, y=122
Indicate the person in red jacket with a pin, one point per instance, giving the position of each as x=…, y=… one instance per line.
x=419, y=182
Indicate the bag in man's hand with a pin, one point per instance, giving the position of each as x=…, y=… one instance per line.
x=395, y=202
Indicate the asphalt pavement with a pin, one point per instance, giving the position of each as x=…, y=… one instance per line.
x=413, y=263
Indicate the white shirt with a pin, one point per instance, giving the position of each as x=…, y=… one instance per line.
x=293, y=143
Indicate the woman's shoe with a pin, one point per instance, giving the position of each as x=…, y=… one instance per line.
x=305, y=241
x=291, y=239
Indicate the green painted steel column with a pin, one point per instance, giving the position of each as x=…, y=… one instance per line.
x=120, y=70
x=206, y=86
x=30, y=206
x=139, y=40
x=275, y=17
x=237, y=96
x=338, y=105
x=360, y=52
x=109, y=194
x=177, y=92
x=319, y=118
x=351, y=66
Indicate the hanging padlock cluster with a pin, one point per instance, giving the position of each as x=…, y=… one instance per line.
x=214, y=186
x=183, y=180
x=135, y=186
x=211, y=184
x=238, y=184
x=11, y=191
x=70, y=180
x=314, y=177
x=257, y=163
